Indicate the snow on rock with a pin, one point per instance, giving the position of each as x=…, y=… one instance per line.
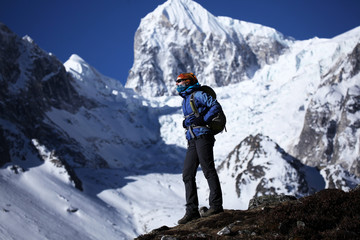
x=181, y=36
x=258, y=166
x=332, y=118
x=337, y=177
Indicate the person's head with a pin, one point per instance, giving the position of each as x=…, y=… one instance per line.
x=185, y=80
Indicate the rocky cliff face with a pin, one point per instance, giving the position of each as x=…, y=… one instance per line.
x=332, y=120
x=32, y=82
x=181, y=36
x=258, y=166
x=72, y=110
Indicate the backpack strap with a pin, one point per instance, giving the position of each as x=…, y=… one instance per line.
x=193, y=106
x=195, y=112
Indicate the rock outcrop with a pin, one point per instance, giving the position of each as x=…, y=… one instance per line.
x=328, y=214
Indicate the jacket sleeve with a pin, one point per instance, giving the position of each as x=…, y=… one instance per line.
x=208, y=107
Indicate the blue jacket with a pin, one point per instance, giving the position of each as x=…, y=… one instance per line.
x=207, y=106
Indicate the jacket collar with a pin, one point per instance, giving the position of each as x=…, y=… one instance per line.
x=190, y=90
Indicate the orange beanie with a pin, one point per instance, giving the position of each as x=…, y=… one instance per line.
x=190, y=78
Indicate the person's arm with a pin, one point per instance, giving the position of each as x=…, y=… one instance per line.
x=208, y=106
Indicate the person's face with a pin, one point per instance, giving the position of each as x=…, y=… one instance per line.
x=181, y=82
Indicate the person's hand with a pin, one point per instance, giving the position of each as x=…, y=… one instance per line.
x=188, y=121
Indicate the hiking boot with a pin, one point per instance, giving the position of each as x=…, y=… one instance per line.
x=212, y=211
x=189, y=217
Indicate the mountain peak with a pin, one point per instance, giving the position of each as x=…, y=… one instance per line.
x=186, y=14
x=182, y=36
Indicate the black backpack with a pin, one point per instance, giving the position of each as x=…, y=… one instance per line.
x=218, y=123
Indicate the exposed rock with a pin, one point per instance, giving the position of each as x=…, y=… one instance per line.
x=259, y=165
x=16, y=169
x=269, y=200
x=32, y=83
x=332, y=124
x=339, y=178
x=328, y=214
x=4, y=149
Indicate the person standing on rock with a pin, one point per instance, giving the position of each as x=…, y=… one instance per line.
x=200, y=147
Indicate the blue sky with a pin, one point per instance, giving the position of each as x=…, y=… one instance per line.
x=102, y=32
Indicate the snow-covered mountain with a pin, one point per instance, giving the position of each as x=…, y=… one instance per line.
x=258, y=167
x=81, y=155
x=332, y=120
x=72, y=140
x=182, y=36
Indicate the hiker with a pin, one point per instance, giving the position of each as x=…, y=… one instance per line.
x=200, y=146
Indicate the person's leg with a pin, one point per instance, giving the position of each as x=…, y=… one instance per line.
x=191, y=164
x=204, y=147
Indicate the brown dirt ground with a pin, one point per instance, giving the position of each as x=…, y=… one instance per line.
x=328, y=214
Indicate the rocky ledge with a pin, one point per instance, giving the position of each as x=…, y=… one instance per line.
x=328, y=214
